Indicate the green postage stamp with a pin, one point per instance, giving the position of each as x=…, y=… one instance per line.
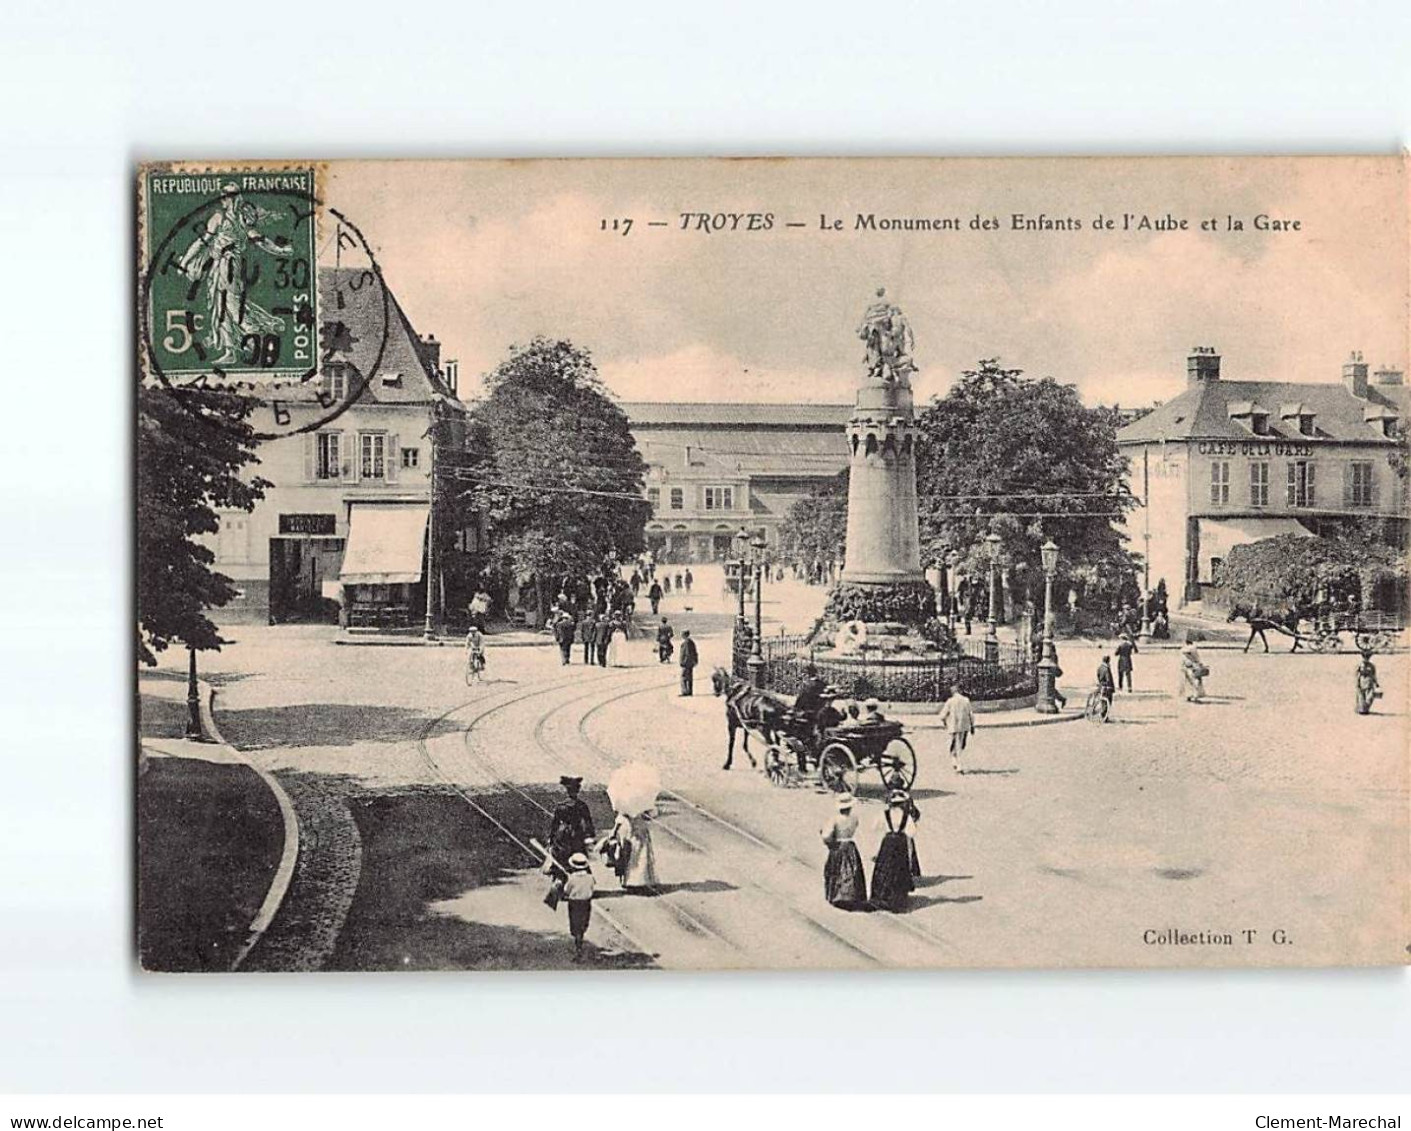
x=229, y=278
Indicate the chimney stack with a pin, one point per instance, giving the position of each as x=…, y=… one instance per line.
x=451, y=375
x=1354, y=375
x=1202, y=365
x=1387, y=376
x=431, y=350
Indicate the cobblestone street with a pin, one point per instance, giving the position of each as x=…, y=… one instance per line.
x=417, y=797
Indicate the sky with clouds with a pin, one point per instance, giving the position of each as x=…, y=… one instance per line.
x=486, y=254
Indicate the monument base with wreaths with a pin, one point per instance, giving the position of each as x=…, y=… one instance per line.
x=884, y=619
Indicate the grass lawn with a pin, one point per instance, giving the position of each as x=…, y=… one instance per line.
x=209, y=837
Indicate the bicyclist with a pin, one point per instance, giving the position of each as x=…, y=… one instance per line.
x=474, y=654
x=1106, y=685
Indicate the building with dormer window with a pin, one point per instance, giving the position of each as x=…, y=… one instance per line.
x=1231, y=462
x=341, y=534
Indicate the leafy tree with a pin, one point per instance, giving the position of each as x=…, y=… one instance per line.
x=1028, y=460
x=191, y=447
x=1292, y=574
x=558, y=476
x=816, y=526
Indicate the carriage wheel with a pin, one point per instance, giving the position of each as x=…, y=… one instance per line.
x=899, y=760
x=1329, y=642
x=1374, y=642
x=775, y=767
x=837, y=769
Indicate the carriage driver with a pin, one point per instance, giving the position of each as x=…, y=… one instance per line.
x=815, y=703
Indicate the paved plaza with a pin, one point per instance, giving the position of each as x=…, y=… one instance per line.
x=1147, y=841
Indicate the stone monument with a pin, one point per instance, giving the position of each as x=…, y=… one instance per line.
x=882, y=597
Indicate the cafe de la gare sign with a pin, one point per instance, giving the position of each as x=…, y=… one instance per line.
x=1253, y=448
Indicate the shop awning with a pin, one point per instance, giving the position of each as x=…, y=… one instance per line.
x=1218, y=536
x=385, y=543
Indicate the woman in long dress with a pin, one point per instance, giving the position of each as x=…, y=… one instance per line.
x=844, y=884
x=637, y=862
x=897, y=784
x=1367, y=687
x=1193, y=673
x=892, y=877
x=613, y=627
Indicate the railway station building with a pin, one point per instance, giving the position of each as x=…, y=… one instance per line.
x=715, y=469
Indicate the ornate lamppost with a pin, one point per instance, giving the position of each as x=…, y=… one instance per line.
x=992, y=541
x=193, y=699
x=756, y=660
x=742, y=541
x=1047, y=703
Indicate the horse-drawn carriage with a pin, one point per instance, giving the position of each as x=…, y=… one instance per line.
x=1328, y=630
x=797, y=748
x=1370, y=631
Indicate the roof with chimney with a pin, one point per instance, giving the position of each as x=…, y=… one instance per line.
x=407, y=373
x=1216, y=409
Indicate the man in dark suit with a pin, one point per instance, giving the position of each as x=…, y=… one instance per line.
x=602, y=637
x=563, y=634
x=586, y=634
x=689, y=660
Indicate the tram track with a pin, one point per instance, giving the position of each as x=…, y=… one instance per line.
x=422, y=740
x=777, y=899
x=890, y=917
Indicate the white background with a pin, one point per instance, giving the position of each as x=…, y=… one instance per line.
x=87, y=92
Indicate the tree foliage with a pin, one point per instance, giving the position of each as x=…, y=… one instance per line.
x=1028, y=460
x=815, y=529
x=1294, y=574
x=557, y=474
x=191, y=447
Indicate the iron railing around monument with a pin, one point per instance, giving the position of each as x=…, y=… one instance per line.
x=790, y=660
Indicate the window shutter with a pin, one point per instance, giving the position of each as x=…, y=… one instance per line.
x=339, y=456
x=1293, y=484
x=1349, y=478
x=357, y=457
x=393, y=458
x=310, y=453
x=1372, y=483
x=1312, y=485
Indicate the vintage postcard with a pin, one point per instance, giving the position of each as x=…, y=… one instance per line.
x=772, y=564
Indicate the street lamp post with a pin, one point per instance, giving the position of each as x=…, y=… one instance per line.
x=429, y=629
x=992, y=541
x=193, y=699
x=1047, y=702
x=1145, y=632
x=742, y=540
x=756, y=660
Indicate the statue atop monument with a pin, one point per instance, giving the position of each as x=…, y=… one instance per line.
x=889, y=341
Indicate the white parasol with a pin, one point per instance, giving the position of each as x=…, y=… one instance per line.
x=633, y=788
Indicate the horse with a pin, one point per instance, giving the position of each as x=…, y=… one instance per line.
x=1259, y=622
x=746, y=708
